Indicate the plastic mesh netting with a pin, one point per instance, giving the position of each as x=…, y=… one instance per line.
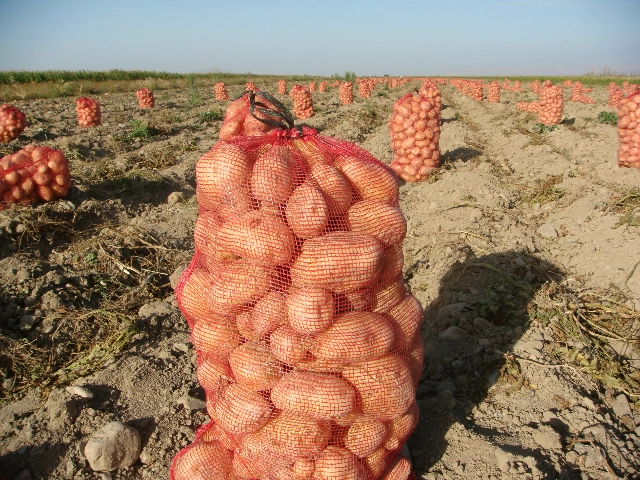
x=33, y=174
x=308, y=344
x=629, y=131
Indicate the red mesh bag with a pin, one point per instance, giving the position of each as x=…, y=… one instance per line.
x=12, y=123
x=415, y=132
x=535, y=86
x=221, y=91
x=312, y=87
x=550, y=112
x=241, y=119
x=615, y=95
x=308, y=343
x=629, y=131
x=145, y=98
x=430, y=91
x=88, y=111
x=33, y=174
x=493, y=92
x=322, y=87
x=302, y=102
x=282, y=86
x=577, y=93
x=528, y=106
x=364, y=87
x=250, y=86
x=346, y=93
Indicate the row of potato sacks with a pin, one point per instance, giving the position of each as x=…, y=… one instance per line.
x=308, y=343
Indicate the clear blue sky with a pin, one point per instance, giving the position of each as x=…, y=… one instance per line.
x=376, y=37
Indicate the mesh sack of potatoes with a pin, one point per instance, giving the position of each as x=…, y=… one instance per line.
x=33, y=174
x=308, y=343
x=302, y=101
x=415, y=133
x=145, y=98
x=629, y=131
x=88, y=112
x=248, y=115
x=322, y=87
x=12, y=123
x=493, y=92
x=533, y=107
x=221, y=91
x=282, y=86
x=550, y=112
x=430, y=91
x=346, y=93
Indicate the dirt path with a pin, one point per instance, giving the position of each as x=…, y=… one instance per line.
x=523, y=252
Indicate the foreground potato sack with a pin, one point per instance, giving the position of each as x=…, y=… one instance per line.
x=33, y=174
x=308, y=345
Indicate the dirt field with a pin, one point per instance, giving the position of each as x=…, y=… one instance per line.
x=523, y=250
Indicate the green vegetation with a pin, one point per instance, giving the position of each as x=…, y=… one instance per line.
x=608, y=118
x=139, y=130
x=542, y=128
x=211, y=116
x=60, y=76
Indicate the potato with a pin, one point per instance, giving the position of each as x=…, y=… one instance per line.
x=234, y=284
x=213, y=374
x=258, y=236
x=216, y=337
x=355, y=337
x=293, y=435
x=315, y=395
x=255, y=367
x=384, y=385
x=401, y=428
x=334, y=186
x=310, y=310
x=215, y=432
x=336, y=463
x=273, y=176
x=288, y=345
x=366, y=435
x=241, y=410
x=307, y=211
x=267, y=315
x=406, y=317
x=400, y=469
x=370, y=180
x=379, y=219
x=339, y=261
x=388, y=295
x=207, y=225
x=377, y=462
x=193, y=298
x=202, y=461
x=222, y=178
x=321, y=365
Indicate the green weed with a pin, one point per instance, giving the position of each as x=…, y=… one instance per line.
x=608, y=118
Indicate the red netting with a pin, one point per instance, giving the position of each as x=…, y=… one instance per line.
x=577, y=93
x=308, y=343
x=12, y=123
x=240, y=121
x=88, y=111
x=282, y=86
x=550, y=112
x=629, y=131
x=145, y=98
x=415, y=132
x=33, y=174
